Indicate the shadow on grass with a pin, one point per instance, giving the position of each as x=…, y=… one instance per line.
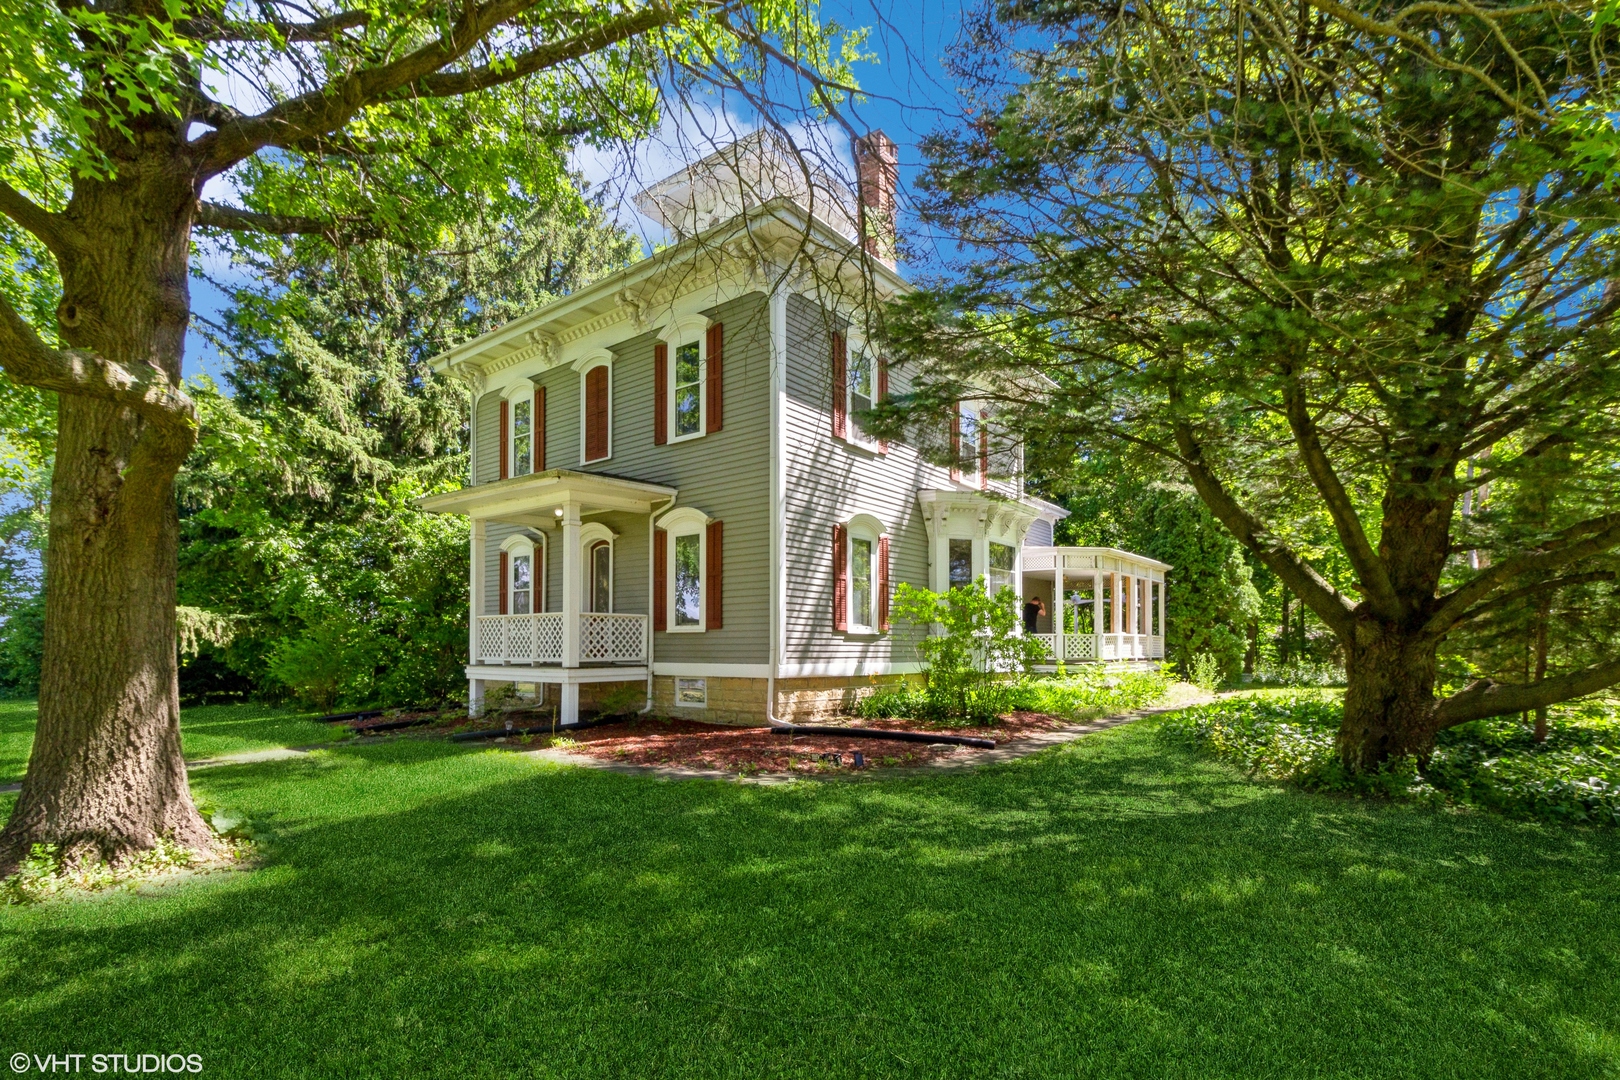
x=1113, y=907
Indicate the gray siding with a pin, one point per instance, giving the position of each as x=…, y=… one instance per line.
x=725, y=474
x=827, y=481
x=1039, y=535
x=486, y=438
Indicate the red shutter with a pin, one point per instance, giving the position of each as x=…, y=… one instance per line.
x=883, y=394
x=956, y=441
x=714, y=599
x=596, y=413
x=883, y=582
x=660, y=601
x=539, y=429
x=660, y=394
x=840, y=377
x=984, y=453
x=840, y=578
x=506, y=571
x=716, y=380
x=506, y=442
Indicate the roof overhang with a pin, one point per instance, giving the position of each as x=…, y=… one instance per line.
x=769, y=238
x=533, y=499
x=1088, y=558
x=994, y=511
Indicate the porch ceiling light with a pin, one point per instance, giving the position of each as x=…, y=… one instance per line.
x=558, y=511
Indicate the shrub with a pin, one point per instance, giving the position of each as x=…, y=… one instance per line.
x=1082, y=693
x=975, y=648
x=1573, y=776
x=1206, y=672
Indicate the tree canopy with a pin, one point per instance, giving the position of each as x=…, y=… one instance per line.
x=1352, y=258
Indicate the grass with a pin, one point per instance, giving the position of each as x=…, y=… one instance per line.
x=1115, y=907
x=205, y=731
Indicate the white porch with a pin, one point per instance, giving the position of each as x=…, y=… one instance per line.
x=566, y=647
x=1102, y=604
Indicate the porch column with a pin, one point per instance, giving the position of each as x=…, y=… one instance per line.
x=939, y=569
x=572, y=580
x=475, y=588
x=1096, y=615
x=1164, y=628
x=1057, y=610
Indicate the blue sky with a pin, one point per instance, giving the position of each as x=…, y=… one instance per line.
x=909, y=95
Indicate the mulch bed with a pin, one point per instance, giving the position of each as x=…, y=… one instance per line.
x=688, y=744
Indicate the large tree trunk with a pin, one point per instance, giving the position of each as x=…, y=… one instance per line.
x=1388, y=701
x=106, y=776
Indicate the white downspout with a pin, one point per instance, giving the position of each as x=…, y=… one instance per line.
x=779, y=297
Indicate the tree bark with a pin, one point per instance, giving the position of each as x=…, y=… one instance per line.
x=106, y=776
x=1542, y=611
x=1388, y=700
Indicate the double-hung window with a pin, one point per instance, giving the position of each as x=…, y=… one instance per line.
x=522, y=436
x=687, y=399
x=688, y=580
x=1002, y=558
x=969, y=436
x=861, y=388
x=961, y=563
x=862, y=583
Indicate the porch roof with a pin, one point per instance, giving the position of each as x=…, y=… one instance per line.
x=542, y=491
x=1037, y=559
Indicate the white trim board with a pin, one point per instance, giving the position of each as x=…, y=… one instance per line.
x=714, y=671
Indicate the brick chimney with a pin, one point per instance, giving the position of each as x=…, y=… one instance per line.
x=877, y=170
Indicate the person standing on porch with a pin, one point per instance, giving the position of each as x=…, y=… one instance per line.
x=1033, y=611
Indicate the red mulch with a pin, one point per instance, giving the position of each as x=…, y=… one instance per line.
x=689, y=744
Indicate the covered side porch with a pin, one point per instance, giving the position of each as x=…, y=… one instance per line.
x=559, y=580
x=1101, y=604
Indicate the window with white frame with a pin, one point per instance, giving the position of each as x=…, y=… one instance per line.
x=523, y=582
x=863, y=580
x=522, y=435
x=969, y=436
x=687, y=579
x=861, y=388
x=960, y=558
x=599, y=565
x=686, y=385
x=1002, y=559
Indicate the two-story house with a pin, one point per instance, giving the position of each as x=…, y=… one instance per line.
x=670, y=486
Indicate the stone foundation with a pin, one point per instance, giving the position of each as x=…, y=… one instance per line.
x=830, y=700
x=730, y=701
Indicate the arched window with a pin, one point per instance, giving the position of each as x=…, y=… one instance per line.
x=861, y=578
x=596, y=394
x=596, y=545
x=525, y=573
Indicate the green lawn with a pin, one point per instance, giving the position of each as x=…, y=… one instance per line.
x=1111, y=908
x=205, y=731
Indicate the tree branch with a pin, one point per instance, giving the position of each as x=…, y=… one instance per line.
x=1601, y=534
x=1509, y=598
x=1301, y=578
x=1489, y=698
x=147, y=390
x=1370, y=569
x=213, y=215
x=53, y=230
x=332, y=106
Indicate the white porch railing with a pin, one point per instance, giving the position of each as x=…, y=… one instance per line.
x=1082, y=647
x=538, y=638
x=612, y=638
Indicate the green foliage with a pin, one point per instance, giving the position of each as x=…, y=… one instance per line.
x=1210, y=597
x=977, y=644
x=1573, y=776
x=297, y=515
x=1206, y=672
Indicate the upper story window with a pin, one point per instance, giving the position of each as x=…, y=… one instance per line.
x=859, y=384
x=522, y=436
x=596, y=393
x=969, y=443
x=688, y=385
